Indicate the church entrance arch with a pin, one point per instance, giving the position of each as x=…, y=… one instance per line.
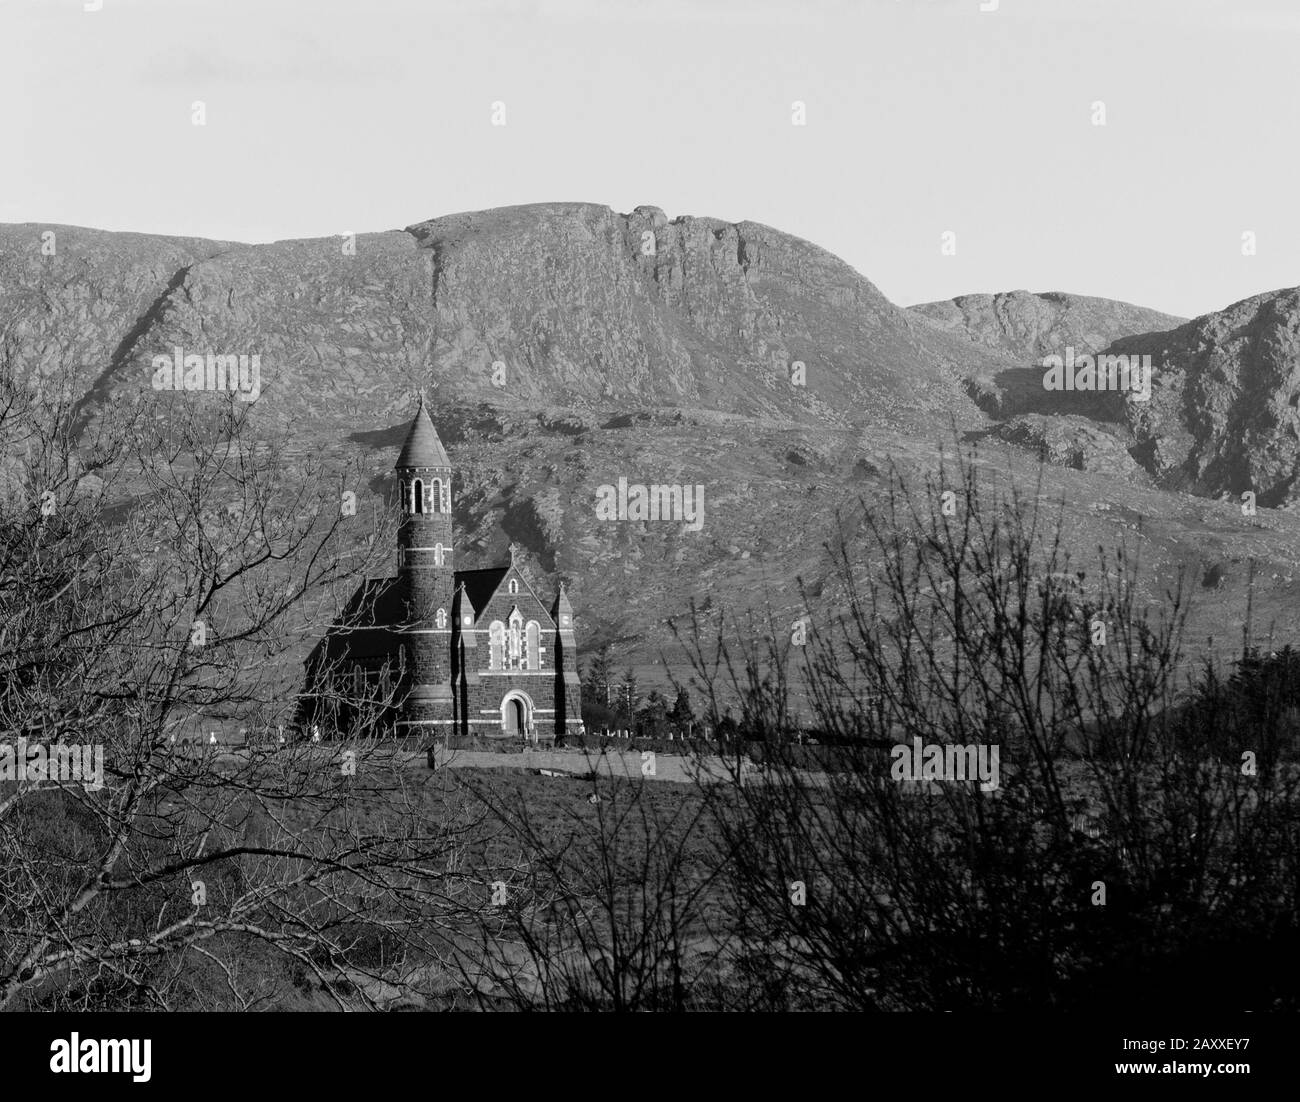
x=516, y=713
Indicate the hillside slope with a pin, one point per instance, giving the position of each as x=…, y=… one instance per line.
x=672, y=362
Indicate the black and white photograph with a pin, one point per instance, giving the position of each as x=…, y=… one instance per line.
x=782, y=510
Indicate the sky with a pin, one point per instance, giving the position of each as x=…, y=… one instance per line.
x=921, y=118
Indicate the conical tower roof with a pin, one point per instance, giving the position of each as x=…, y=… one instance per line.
x=422, y=447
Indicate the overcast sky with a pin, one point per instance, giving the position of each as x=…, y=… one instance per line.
x=922, y=116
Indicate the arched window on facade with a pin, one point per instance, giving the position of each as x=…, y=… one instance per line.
x=533, y=641
x=417, y=496
x=496, y=645
x=439, y=555
x=515, y=641
x=435, y=496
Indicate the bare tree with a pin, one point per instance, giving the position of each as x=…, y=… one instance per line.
x=159, y=574
x=1122, y=853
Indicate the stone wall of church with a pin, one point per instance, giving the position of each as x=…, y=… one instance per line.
x=479, y=694
x=555, y=702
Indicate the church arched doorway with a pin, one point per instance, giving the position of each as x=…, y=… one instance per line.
x=516, y=713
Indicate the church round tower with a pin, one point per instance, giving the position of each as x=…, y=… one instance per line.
x=426, y=572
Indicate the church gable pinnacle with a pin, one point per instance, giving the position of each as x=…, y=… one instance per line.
x=463, y=607
x=562, y=611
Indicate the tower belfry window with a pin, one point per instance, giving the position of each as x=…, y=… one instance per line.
x=417, y=496
x=435, y=496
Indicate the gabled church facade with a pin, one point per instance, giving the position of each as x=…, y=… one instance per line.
x=440, y=653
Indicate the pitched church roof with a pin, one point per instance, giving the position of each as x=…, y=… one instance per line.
x=366, y=628
x=422, y=447
x=370, y=626
x=481, y=584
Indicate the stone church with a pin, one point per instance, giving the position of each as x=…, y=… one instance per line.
x=460, y=656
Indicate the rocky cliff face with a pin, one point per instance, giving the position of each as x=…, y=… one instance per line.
x=585, y=307
x=1225, y=409
x=74, y=303
x=567, y=305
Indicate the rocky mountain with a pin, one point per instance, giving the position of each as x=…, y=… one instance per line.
x=565, y=346
x=1224, y=415
x=1029, y=326
x=567, y=305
